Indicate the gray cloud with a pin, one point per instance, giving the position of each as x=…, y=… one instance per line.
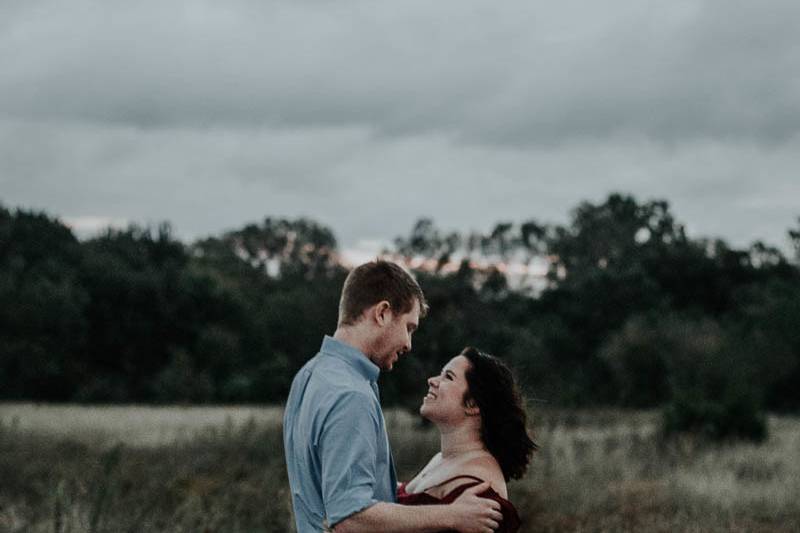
x=374, y=188
x=366, y=115
x=512, y=73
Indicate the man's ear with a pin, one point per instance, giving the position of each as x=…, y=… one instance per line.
x=471, y=408
x=382, y=313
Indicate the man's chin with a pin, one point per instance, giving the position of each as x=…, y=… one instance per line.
x=384, y=363
x=389, y=365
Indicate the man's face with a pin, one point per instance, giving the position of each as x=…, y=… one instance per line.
x=394, y=338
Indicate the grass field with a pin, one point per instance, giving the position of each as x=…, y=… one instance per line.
x=182, y=469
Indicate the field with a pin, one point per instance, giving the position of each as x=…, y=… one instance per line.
x=182, y=469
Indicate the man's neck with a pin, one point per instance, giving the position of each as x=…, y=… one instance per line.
x=351, y=337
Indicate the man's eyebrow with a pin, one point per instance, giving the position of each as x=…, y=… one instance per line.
x=412, y=327
x=449, y=373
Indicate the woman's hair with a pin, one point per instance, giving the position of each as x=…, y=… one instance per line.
x=503, y=419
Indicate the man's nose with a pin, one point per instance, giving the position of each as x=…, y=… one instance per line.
x=433, y=382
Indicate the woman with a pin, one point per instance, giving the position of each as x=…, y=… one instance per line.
x=478, y=410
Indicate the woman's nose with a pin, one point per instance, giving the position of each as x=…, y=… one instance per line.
x=432, y=381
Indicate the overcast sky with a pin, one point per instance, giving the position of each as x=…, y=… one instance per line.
x=365, y=115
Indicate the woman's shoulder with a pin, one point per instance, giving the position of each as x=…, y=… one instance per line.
x=479, y=469
x=486, y=468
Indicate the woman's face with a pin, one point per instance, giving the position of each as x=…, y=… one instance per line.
x=445, y=399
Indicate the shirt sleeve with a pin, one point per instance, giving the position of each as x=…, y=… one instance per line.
x=348, y=452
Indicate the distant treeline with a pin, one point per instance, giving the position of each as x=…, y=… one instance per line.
x=632, y=312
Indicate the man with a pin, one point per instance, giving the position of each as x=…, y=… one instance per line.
x=340, y=466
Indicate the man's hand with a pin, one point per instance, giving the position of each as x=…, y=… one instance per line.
x=473, y=514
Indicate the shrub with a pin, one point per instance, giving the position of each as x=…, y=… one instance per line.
x=736, y=415
x=713, y=391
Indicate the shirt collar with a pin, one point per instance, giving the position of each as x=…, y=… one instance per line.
x=352, y=356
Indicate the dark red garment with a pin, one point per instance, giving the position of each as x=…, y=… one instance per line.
x=509, y=524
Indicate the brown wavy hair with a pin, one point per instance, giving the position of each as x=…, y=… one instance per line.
x=504, y=431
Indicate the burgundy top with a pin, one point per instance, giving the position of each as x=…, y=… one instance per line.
x=509, y=524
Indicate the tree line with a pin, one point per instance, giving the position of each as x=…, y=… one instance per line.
x=630, y=311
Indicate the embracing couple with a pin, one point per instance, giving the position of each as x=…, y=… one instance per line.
x=340, y=466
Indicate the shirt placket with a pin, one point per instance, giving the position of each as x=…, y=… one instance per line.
x=392, y=471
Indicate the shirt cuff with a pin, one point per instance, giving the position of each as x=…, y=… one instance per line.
x=344, y=508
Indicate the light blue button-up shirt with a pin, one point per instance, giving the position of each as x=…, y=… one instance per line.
x=334, y=435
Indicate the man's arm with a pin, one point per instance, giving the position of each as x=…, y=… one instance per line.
x=469, y=513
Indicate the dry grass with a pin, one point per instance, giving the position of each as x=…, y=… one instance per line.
x=139, y=426
x=612, y=471
x=72, y=468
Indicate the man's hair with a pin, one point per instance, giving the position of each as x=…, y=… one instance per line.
x=374, y=282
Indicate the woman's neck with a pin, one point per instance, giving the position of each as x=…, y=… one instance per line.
x=460, y=440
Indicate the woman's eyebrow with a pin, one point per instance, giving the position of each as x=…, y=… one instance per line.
x=449, y=373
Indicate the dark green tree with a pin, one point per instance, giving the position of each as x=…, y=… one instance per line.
x=42, y=325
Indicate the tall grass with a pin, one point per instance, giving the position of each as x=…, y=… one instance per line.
x=229, y=477
x=220, y=470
